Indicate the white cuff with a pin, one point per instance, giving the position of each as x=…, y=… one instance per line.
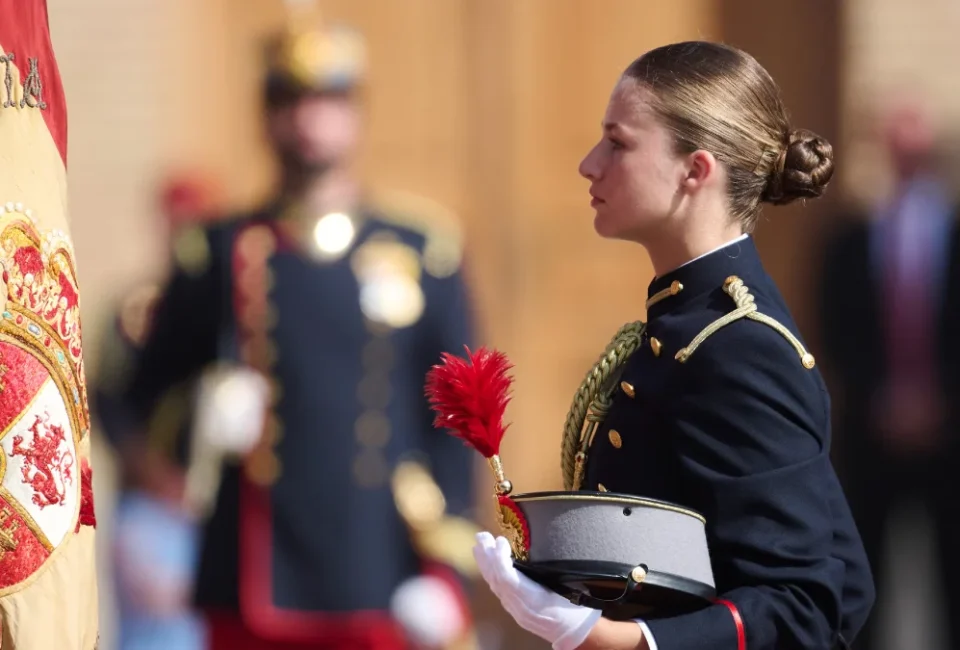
x=647, y=634
x=574, y=638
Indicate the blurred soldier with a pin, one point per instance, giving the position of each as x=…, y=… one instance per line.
x=48, y=590
x=313, y=321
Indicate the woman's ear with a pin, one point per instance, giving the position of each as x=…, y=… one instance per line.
x=701, y=169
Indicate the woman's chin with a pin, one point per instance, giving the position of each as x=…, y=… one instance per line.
x=611, y=226
x=606, y=227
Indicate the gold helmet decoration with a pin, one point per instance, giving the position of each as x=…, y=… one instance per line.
x=311, y=55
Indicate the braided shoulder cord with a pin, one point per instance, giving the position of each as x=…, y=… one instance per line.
x=746, y=308
x=589, y=398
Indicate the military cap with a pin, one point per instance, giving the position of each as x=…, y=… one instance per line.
x=310, y=55
x=626, y=555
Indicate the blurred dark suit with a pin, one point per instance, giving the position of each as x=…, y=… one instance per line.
x=890, y=319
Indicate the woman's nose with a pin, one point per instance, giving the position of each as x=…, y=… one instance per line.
x=588, y=166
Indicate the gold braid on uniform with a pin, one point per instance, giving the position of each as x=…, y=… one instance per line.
x=592, y=402
x=746, y=308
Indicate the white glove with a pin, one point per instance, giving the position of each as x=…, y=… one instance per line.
x=231, y=405
x=535, y=608
x=428, y=611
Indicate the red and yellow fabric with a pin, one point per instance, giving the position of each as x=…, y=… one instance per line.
x=48, y=591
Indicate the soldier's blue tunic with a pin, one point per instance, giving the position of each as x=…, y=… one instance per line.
x=739, y=431
x=335, y=541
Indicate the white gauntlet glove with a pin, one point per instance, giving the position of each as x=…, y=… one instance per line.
x=427, y=609
x=231, y=405
x=228, y=421
x=535, y=608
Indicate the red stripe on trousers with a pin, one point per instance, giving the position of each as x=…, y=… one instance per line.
x=227, y=631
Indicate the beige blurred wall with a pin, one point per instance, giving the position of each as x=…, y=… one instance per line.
x=896, y=46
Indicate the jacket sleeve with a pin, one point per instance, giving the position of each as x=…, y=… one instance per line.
x=449, y=328
x=750, y=430
x=182, y=340
x=444, y=465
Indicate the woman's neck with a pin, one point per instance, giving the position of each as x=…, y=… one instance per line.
x=670, y=252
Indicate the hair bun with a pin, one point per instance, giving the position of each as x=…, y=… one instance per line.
x=803, y=170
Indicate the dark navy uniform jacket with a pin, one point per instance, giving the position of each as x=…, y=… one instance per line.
x=738, y=428
x=305, y=538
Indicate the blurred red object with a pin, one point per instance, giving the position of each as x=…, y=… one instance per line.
x=190, y=197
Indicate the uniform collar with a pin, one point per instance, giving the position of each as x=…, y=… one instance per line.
x=700, y=275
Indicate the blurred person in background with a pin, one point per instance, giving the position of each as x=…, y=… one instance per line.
x=890, y=311
x=154, y=542
x=337, y=513
x=48, y=576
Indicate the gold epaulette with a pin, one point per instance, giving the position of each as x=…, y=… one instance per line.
x=191, y=243
x=191, y=250
x=440, y=227
x=435, y=534
x=746, y=307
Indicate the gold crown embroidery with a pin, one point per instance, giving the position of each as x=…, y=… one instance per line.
x=42, y=298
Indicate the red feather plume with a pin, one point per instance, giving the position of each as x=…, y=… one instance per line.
x=470, y=396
